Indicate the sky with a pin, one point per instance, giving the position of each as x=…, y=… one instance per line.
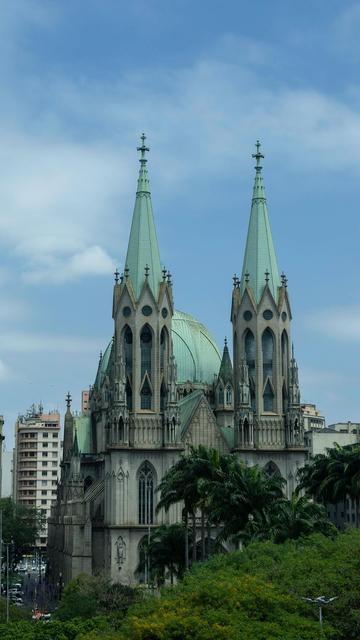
x=80, y=80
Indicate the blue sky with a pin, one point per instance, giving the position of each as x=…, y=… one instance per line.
x=79, y=81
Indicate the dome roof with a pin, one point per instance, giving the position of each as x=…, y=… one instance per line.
x=196, y=353
x=195, y=350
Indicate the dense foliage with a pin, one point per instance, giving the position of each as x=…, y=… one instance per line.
x=21, y=527
x=87, y=596
x=257, y=595
x=331, y=476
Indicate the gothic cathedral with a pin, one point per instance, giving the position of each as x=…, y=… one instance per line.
x=162, y=386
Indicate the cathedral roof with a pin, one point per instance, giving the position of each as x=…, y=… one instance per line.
x=83, y=430
x=197, y=355
x=143, y=248
x=260, y=257
x=187, y=408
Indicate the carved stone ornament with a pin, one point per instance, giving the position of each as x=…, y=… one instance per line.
x=120, y=545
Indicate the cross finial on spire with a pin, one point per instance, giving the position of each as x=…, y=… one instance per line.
x=147, y=270
x=68, y=400
x=116, y=274
x=164, y=272
x=267, y=274
x=100, y=356
x=225, y=341
x=235, y=279
x=258, y=155
x=143, y=149
x=247, y=277
x=126, y=271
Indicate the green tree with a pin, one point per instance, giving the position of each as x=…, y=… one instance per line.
x=164, y=554
x=289, y=520
x=88, y=596
x=21, y=527
x=333, y=476
x=239, y=493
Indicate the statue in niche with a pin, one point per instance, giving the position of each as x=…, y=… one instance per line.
x=120, y=545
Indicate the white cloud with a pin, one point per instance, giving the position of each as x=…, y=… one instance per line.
x=92, y=261
x=343, y=323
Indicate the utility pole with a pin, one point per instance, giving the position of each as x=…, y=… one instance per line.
x=7, y=583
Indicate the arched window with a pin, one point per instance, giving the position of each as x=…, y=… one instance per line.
x=271, y=469
x=284, y=354
x=268, y=353
x=128, y=342
x=250, y=353
x=146, y=349
x=128, y=391
x=284, y=398
x=228, y=395
x=163, y=349
x=128, y=354
x=221, y=395
x=121, y=429
x=268, y=397
x=146, y=395
x=162, y=396
x=146, y=494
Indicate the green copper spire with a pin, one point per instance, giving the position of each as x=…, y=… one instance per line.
x=143, y=256
x=226, y=369
x=260, y=265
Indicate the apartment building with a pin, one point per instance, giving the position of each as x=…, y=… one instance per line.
x=36, y=461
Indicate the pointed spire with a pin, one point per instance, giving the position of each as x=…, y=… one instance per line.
x=260, y=257
x=143, y=249
x=75, y=447
x=226, y=369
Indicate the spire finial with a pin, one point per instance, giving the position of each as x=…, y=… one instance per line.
x=164, y=272
x=258, y=155
x=100, y=356
x=143, y=149
x=126, y=272
x=235, y=279
x=247, y=277
x=225, y=341
x=68, y=400
x=147, y=271
x=116, y=274
x=267, y=275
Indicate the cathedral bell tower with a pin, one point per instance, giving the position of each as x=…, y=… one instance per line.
x=267, y=397
x=144, y=406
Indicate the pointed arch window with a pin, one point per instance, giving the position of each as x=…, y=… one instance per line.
x=121, y=429
x=162, y=396
x=284, y=354
x=128, y=349
x=146, y=350
x=146, y=394
x=221, y=395
x=268, y=397
x=268, y=353
x=163, y=349
x=146, y=494
x=228, y=395
x=250, y=352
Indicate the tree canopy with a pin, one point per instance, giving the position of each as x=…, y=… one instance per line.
x=21, y=527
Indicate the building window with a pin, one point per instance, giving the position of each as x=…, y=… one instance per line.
x=44, y=473
x=221, y=396
x=146, y=349
x=146, y=395
x=228, y=395
x=163, y=348
x=268, y=355
x=45, y=435
x=146, y=494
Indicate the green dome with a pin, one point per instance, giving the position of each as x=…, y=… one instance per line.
x=195, y=350
x=197, y=356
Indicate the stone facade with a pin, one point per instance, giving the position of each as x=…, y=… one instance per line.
x=161, y=387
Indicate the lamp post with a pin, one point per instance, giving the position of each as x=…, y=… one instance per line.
x=320, y=601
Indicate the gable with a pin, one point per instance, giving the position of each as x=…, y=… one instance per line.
x=203, y=429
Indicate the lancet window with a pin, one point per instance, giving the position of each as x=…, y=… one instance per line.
x=146, y=494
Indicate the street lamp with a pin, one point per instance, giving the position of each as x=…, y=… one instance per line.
x=320, y=601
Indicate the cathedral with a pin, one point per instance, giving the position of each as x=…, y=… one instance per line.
x=162, y=385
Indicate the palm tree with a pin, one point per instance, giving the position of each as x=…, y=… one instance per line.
x=333, y=476
x=164, y=553
x=289, y=520
x=240, y=492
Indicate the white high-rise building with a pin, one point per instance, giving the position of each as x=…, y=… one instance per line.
x=36, y=461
